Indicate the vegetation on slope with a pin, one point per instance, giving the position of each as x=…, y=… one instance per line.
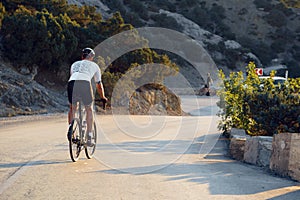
x=50, y=34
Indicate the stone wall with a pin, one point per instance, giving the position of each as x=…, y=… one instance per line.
x=237, y=147
x=237, y=143
x=281, y=153
x=285, y=159
x=258, y=150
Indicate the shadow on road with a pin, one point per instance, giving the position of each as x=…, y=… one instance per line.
x=32, y=163
x=288, y=196
x=223, y=175
x=173, y=146
x=224, y=178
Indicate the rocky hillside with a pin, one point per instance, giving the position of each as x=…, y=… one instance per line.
x=233, y=32
x=21, y=95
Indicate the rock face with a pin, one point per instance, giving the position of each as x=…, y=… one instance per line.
x=206, y=38
x=21, y=95
x=285, y=159
x=193, y=30
x=154, y=99
x=245, y=27
x=103, y=9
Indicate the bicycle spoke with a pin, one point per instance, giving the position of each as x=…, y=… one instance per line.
x=90, y=150
x=74, y=143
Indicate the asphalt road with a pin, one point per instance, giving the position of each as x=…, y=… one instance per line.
x=137, y=157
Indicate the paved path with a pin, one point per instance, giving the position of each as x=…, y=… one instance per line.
x=138, y=157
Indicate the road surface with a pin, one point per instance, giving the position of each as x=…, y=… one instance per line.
x=138, y=157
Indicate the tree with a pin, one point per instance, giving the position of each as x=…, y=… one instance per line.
x=84, y=15
x=50, y=33
x=50, y=44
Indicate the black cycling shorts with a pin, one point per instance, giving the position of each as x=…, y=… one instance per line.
x=80, y=91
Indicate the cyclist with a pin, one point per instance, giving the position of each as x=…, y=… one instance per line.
x=79, y=87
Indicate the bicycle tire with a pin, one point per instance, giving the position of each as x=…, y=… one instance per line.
x=89, y=151
x=75, y=146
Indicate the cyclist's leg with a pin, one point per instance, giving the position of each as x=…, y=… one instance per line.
x=90, y=132
x=72, y=111
x=89, y=118
x=87, y=98
x=71, y=115
x=72, y=98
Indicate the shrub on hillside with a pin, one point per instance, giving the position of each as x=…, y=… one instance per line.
x=53, y=41
x=291, y=3
x=265, y=4
x=139, y=8
x=38, y=38
x=276, y=18
x=262, y=50
x=2, y=13
x=200, y=16
x=133, y=18
x=166, y=5
x=162, y=20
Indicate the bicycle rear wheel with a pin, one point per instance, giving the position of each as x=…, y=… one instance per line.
x=90, y=150
x=75, y=146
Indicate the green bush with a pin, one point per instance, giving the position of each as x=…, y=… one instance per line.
x=259, y=107
x=38, y=38
x=235, y=113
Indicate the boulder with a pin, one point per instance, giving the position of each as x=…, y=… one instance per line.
x=238, y=132
x=258, y=150
x=237, y=147
x=154, y=99
x=237, y=143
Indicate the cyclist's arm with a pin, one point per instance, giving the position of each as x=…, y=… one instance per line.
x=99, y=85
x=100, y=90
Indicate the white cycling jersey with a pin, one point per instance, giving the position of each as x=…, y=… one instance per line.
x=85, y=70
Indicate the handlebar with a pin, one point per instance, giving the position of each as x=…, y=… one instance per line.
x=104, y=101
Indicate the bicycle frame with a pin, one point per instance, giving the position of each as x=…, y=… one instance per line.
x=81, y=140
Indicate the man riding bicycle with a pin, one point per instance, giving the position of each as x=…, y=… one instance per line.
x=79, y=87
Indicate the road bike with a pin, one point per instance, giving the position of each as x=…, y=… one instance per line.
x=77, y=136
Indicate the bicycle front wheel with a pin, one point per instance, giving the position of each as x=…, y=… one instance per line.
x=90, y=149
x=75, y=146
